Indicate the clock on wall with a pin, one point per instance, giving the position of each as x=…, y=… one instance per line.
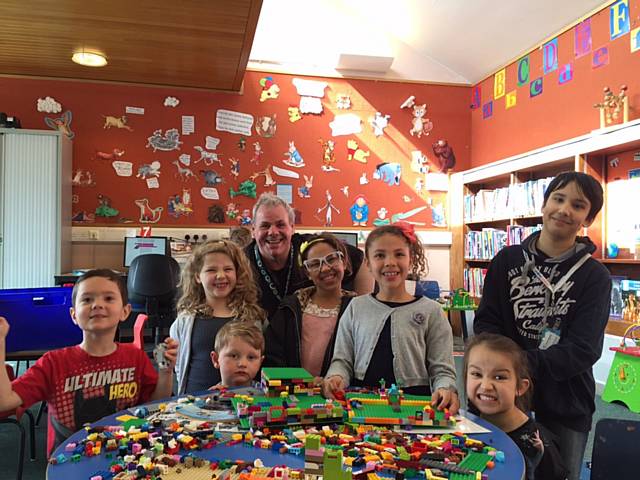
x=622, y=383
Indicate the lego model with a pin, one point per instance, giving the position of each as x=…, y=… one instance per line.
x=623, y=381
x=295, y=381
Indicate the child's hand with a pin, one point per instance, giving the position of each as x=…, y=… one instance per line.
x=4, y=328
x=446, y=398
x=332, y=385
x=171, y=353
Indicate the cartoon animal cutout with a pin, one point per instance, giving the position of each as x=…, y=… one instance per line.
x=242, y=143
x=178, y=207
x=148, y=214
x=118, y=122
x=266, y=126
x=257, y=152
x=269, y=89
x=420, y=124
x=389, y=173
x=294, y=114
x=379, y=123
x=294, y=158
x=115, y=154
x=354, y=152
x=343, y=101
x=246, y=188
x=235, y=166
x=419, y=185
x=62, y=123
x=419, y=162
x=444, y=154
x=363, y=179
x=245, y=218
x=268, y=178
x=437, y=215
x=167, y=142
x=184, y=173
x=83, y=178
x=329, y=155
x=345, y=190
x=149, y=170
x=211, y=178
x=232, y=211
x=104, y=207
x=328, y=208
x=382, y=217
x=305, y=191
x=208, y=157
x=359, y=211
x=409, y=102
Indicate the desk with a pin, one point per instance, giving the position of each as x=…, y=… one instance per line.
x=86, y=467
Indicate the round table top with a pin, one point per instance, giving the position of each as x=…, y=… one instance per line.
x=512, y=469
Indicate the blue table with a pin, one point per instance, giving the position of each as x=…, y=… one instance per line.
x=513, y=469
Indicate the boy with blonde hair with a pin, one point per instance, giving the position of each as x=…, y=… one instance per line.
x=238, y=353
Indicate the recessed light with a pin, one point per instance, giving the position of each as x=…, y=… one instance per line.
x=89, y=59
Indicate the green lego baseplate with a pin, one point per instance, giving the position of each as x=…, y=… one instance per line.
x=286, y=373
x=473, y=461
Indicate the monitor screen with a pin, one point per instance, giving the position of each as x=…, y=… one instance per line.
x=136, y=246
x=350, y=238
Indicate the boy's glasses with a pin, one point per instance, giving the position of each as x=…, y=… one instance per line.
x=315, y=264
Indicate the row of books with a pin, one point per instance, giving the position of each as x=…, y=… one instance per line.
x=484, y=244
x=515, y=200
x=474, y=281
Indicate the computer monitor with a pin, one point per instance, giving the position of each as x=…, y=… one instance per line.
x=350, y=238
x=136, y=246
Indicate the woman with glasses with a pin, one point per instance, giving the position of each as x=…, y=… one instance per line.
x=302, y=331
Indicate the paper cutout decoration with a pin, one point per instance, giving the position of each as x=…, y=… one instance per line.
x=184, y=173
x=600, y=57
x=234, y=122
x=419, y=162
x=388, y=172
x=104, y=208
x=437, y=215
x=310, y=105
x=48, y=105
x=294, y=158
x=179, y=206
x=345, y=124
x=550, y=56
x=406, y=198
x=166, y=142
x=134, y=110
x=266, y=126
x=83, y=217
x=309, y=88
x=535, y=87
x=246, y=188
x=487, y=109
x=149, y=170
x=211, y=178
x=523, y=71
x=210, y=193
x=82, y=178
x=283, y=172
x=185, y=159
x=565, y=74
x=328, y=156
x=345, y=190
x=147, y=213
x=115, y=154
x=582, y=38
x=268, y=179
x=363, y=179
x=232, y=211
x=437, y=182
x=171, y=102
x=354, y=152
x=62, y=123
x=409, y=102
x=499, y=80
x=420, y=124
x=444, y=154
x=123, y=169
x=379, y=123
x=294, y=114
x=235, y=166
x=419, y=185
x=270, y=90
x=382, y=217
x=510, y=99
x=635, y=40
x=118, y=122
x=208, y=157
x=359, y=211
x=343, y=101
x=215, y=214
x=475, y=97
x=619, y=19
x=305, y=191
x=188, y=124
x=242, y=143
x=245, y=217
x=211, y=143
x=328, y=207
x=257, y=153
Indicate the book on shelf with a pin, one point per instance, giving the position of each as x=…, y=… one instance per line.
x=474, y=281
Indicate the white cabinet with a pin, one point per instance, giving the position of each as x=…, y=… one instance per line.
x=35, y=207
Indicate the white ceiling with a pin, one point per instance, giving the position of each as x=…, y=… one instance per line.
x=449, y=41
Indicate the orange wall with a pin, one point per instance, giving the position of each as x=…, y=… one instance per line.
x=561, y=111
x=89, y=102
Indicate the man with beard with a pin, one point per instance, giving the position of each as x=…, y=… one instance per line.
x=274, y=251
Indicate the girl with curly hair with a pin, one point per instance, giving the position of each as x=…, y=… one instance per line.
x=217, y=287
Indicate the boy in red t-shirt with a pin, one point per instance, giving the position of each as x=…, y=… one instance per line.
x=99, y=377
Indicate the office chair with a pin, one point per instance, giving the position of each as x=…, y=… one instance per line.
x=152, y=281
x=13, y=416
x=615, y=446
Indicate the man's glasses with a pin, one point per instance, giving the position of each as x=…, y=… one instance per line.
x=315, y=264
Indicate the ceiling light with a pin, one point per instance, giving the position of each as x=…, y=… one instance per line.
x=89, y=59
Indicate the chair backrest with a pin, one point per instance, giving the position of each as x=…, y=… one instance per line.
x=428, y=288
x=615, y=445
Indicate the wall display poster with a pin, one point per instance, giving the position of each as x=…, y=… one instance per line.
x=285, y=192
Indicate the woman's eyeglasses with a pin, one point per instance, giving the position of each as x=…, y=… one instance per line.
x=315, y=264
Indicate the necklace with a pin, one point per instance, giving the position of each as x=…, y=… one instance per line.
x=267, y=278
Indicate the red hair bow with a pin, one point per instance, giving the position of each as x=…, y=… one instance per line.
x=408, y=231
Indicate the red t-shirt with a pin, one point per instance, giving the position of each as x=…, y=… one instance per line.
x=80, y=388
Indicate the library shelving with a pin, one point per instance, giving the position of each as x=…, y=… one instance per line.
x=500, y=203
